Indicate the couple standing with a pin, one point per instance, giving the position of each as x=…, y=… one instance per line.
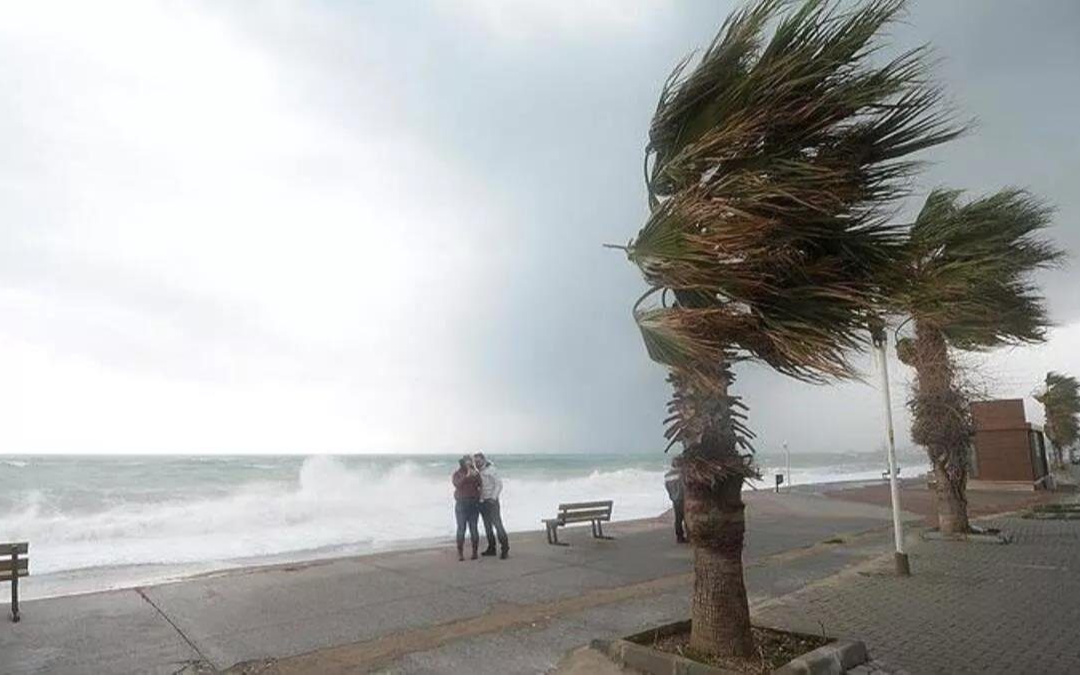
x=477, y=487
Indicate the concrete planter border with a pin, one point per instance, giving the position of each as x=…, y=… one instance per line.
x=972, y=537
x=834, y=658
x=1060, y=511
x=1051, y=515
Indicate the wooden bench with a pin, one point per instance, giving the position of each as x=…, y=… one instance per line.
x=580, y=512
x=11, y=568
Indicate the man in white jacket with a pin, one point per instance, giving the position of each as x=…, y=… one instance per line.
x=490, y=510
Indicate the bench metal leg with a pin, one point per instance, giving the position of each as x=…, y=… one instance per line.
x=598, y=531
x=15, y=587
x=553, y=536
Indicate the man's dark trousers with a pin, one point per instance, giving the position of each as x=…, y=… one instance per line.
x=680, y=536
x=491, y=512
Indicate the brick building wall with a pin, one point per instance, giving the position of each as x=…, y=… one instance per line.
x=1003, y=442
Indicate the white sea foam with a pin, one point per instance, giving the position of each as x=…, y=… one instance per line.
x=327, y=503
x=330, y=504
x=14, y=463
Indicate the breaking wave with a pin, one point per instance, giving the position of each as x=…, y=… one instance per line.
x=328, y=504
x=209, y=510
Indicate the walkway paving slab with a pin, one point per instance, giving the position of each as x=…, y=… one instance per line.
x=117, y=632
x=967, y=608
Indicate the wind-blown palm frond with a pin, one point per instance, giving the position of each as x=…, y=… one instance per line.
x=970, y=266
x=1061, y=401
x=808, y=102
x=768, y=165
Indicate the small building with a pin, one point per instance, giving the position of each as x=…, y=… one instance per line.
x=1008, y=450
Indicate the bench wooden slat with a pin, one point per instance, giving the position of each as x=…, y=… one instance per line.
x=5, y=565
x=581, y=516
x=586, y=505
x=20, y=548
x=6, y=576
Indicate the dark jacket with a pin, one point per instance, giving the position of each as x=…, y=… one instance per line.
x=466, y=485
x=673, y=481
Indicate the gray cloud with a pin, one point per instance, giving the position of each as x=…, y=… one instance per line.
x=406, y=223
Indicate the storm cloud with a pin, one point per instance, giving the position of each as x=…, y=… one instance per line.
x=378, y=227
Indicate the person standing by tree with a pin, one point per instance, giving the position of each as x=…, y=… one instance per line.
x=466, y=504
x=673, y=481
x=490, y=508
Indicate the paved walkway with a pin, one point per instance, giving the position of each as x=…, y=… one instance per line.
x=422, y=611
x=967, y=608
x=916, y=498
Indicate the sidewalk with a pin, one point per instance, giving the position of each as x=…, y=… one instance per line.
x=967, y=608
x=422, y=611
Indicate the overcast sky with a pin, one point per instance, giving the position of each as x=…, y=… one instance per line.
x=303, y=227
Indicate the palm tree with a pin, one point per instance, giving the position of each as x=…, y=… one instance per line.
x=767, y=166
x=966, y=287
x=1061, y=401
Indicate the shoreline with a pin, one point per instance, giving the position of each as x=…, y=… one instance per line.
x=104, y=579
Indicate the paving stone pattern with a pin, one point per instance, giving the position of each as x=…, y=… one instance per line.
x=968, y=608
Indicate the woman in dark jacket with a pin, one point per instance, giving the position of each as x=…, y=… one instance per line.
x=466, y=504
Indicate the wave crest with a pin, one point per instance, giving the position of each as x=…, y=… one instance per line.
x=328, y=503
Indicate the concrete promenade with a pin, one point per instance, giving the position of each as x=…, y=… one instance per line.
x=967, y=608
x=422, y=611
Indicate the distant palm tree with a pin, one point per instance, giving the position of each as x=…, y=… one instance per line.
x=966, y=287
x=1061, y=401
x=767, y=166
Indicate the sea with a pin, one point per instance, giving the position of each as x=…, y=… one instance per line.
x=96, y=522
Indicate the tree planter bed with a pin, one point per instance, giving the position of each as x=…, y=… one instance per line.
x=975, y=537
x=661, y=651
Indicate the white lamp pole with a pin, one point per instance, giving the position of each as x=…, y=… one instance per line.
x=787, y=456
x=903, y=567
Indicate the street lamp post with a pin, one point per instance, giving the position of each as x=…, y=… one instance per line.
x=787, y=457
x=881, y=340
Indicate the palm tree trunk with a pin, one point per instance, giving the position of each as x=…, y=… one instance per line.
x=941, y=424
x=715, y=521
x=1059, y=456
x=951, y=501
x=720, y=611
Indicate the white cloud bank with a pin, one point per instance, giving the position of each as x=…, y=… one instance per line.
x=358, y=226
x=193, y=258
x=534, y=19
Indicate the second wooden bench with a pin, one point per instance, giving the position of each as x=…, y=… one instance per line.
x=594, y=513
